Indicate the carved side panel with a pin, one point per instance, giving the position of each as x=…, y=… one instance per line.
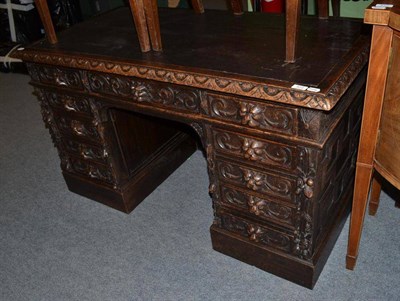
x=78, y=134
x=49, y=121
x=339, y=166
x=253, y=115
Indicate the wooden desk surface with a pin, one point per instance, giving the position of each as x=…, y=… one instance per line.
x=242, y=55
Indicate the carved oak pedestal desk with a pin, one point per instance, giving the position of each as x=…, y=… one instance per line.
x=280, y=160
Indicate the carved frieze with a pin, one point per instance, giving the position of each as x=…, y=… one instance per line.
x=271, y=154
x=253, y=115
x=220, y=83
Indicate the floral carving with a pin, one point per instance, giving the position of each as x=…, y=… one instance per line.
x=266, y=152
x=253, y=149
x=256, y=233
x=256, y=181
x=253, y=180
x=144, y=91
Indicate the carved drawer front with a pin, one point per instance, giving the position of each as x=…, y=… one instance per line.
x=266, y=208
x=91, y=170
x=85, y=151
x=81, y=128
x=273, y=185
x=277, y=239
x=145, y=92
x=56, y=76
x=68, y=103
x=253, y=115
x=255, y=150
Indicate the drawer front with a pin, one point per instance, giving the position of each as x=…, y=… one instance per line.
x=83, y=129
x=91, y=170
x=86, y=151
x=260, y=234
x=68, y=103
x=266, y=208
x=273, y=185
x=254, y=115
x=55, y=76
x=254, y=150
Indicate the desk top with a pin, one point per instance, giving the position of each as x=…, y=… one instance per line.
x=241, y=55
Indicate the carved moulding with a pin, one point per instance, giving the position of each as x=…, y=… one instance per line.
x=220, y=83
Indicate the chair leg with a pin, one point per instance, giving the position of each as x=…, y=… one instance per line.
x=374, y=196
x=139, y=17
x=153, y=23
x=323, y=9
x=360, y=197
x=336, y=8
x=376, y=82
x=44, y=13
x=236, y=6
x=198, y=6
x=292, y=28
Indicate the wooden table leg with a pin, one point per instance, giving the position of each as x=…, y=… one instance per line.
x=139, y=18
x=323, y=9
x=292, y=28
x=374, y=196
x=44, y=13
x=237, y=6
x=336, y=8
x=198, y=6
x=153, y=23
x=376, y=81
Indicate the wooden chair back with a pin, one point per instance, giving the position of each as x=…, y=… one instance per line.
x=379, y=148
x=145, y=16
